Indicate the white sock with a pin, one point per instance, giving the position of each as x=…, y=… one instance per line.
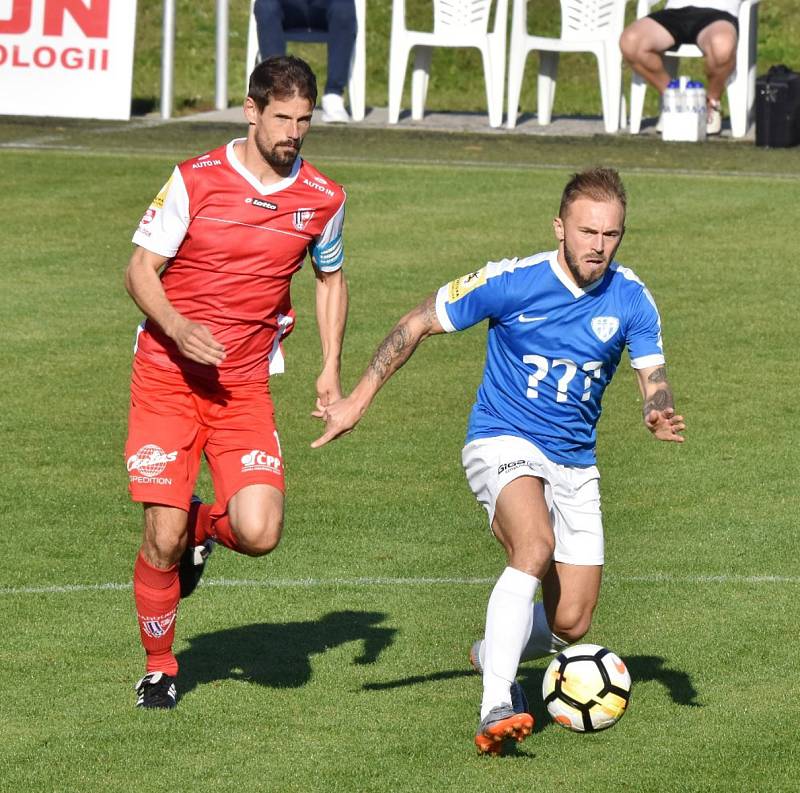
x=542, y=641
x=508, y=624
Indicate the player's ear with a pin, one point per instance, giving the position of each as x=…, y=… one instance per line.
x=558, y=228
x=251, y=111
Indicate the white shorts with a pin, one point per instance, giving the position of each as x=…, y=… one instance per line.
x=572, y=494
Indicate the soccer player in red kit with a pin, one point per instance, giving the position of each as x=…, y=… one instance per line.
x=215, y=255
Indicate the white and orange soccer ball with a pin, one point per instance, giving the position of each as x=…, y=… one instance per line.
x=586, y=688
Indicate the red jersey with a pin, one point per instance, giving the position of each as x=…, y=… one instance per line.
x=234, y=245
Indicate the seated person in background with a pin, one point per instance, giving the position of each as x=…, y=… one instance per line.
x=337, y=17
x=710, y=24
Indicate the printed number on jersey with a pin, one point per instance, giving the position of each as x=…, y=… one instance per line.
x=564, y=370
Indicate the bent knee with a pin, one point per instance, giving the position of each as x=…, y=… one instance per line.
x=259, y=537
x=572, y=627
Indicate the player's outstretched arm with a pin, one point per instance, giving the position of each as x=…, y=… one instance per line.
x=331, y=304
x=659, y=410
x=195, y=341
x=340, y=417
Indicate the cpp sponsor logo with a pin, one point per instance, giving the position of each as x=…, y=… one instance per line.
x=150, y=461
x=260, y=202
x=314, y=186
x=258, y=460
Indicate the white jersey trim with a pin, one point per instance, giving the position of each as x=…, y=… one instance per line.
x=165, y=223
x=254, y=181
x=646, y=361
x=441, y=311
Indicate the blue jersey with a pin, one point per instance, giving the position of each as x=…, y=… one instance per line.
x=552, y=348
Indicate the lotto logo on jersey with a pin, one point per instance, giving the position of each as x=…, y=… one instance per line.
x=150, y=462
x=464, y=285
x=261, y=203
x=259, y=460
x=156, y=627
x=605, y=327
x=301, y=218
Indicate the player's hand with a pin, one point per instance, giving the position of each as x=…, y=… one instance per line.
x=666, y=425
x=197, y=343
x=328, y=391
x=340, y=418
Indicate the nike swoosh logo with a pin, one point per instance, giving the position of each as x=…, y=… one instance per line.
x=523, y=318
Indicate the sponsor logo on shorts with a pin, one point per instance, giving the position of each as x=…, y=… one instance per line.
x=301, y=218
x=259, y=460
x=150, y=461
x=511, y=466
x=156, y=627
x=260, y=202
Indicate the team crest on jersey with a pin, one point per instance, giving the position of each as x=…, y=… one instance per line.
x=605, y=327
x=301, y=218
x=464, y=285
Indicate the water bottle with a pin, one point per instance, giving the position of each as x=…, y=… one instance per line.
x=671, y=99
x=701, y=103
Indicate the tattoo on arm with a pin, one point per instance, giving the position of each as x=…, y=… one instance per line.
x=658, y=375
x=660, y=400
x=397, y=347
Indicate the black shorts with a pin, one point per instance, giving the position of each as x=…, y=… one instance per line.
x=685, y=24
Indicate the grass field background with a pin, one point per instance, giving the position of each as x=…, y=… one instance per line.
x=340, y=661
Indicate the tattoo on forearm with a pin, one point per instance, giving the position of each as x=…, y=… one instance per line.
x=660, y=400
x=658, y=376
x=397, y=347
x=390, y=350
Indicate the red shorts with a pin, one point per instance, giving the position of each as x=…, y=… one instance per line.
x=172, y=421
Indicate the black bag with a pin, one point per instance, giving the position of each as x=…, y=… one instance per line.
x=778, y=108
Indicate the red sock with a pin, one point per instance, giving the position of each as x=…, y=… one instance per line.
x=222, y=532
x=199, y=523
x=157, y=593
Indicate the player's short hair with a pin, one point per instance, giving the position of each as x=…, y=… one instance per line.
x=281, y=77
x=597, y=184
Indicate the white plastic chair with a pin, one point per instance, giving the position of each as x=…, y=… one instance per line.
x=586, y=26
x=456, y=23
x=741, y=87
x=357, y=85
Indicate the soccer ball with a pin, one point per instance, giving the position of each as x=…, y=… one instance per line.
x=586, y=688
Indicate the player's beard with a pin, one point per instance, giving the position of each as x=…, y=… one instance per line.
x=580, y=279
x=282, y=157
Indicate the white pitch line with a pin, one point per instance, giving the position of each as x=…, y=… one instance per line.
x=411, y=162
x=309, y=583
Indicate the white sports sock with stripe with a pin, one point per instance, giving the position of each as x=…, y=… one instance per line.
x=508, y=625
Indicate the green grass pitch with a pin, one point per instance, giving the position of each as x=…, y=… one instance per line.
x=339, y=663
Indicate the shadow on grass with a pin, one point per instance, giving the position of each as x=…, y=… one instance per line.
x=279, y=654
x=643, y=668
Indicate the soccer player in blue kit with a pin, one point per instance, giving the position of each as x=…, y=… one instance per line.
x=558, y=323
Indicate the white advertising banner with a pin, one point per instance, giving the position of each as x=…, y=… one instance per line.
x=71, y=58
